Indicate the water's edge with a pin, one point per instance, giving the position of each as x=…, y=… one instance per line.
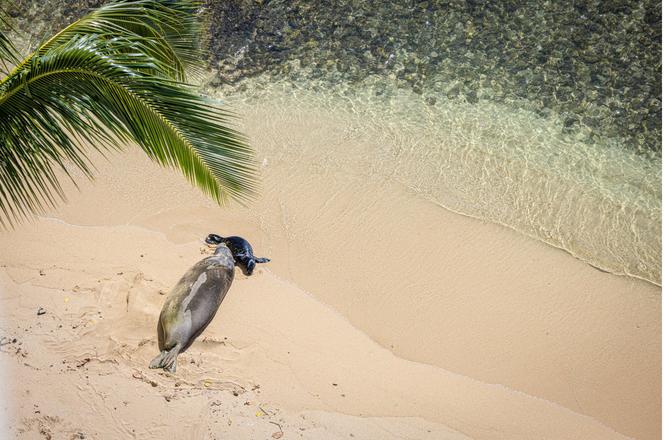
x=543, y=117
x=599, y=202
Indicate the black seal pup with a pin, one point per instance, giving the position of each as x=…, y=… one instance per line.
x=241, y=249
x=191, y=305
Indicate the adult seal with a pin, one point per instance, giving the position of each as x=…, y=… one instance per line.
x=242, y=251
x=191, y=305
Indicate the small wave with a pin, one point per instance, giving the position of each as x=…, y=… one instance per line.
x=599, y=201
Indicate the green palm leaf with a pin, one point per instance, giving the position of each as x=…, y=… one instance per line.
x=105, y=91
x=168, y=31
x=8, y=52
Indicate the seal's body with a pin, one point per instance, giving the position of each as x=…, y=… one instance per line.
x=242, y=251
x=191, y=305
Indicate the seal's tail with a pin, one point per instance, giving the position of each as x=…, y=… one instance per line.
x=167, y=360
x=214, y=239
x=262, y=260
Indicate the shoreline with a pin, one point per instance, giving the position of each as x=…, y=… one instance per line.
x=599, y=202
x=465, y=327
x=237, y=360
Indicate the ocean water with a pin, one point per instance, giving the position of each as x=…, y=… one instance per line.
x=598, y=201
x=541, y=116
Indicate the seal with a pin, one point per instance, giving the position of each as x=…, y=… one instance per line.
x=191, y=305
x=242, y=251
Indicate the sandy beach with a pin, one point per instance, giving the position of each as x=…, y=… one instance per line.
x=381, y=316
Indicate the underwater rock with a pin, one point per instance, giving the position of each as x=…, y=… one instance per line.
x=570, y=56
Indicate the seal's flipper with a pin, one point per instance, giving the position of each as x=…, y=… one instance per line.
x=214, y=239
x=167, y=359
x=171, y=365
x=251, y=264
x=262, y=260
x=157, y=362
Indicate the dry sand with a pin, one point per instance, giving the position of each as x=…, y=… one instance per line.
x=380, y=316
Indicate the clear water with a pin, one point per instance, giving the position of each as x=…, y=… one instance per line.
x=494, y=162
x=544, y=116
x=539, y=115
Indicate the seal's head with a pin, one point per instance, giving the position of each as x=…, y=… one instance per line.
x=241, y=250
x=214, y=239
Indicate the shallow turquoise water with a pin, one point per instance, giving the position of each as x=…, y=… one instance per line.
x=594, y=63
x=541, y=116
x=599, y=201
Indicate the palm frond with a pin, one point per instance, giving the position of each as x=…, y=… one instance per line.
x=8, y=52
x=102, y=91
x=167, y=31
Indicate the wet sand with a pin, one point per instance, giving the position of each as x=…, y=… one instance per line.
x=381, y=315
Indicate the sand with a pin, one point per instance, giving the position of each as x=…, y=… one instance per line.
x=381, y=315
